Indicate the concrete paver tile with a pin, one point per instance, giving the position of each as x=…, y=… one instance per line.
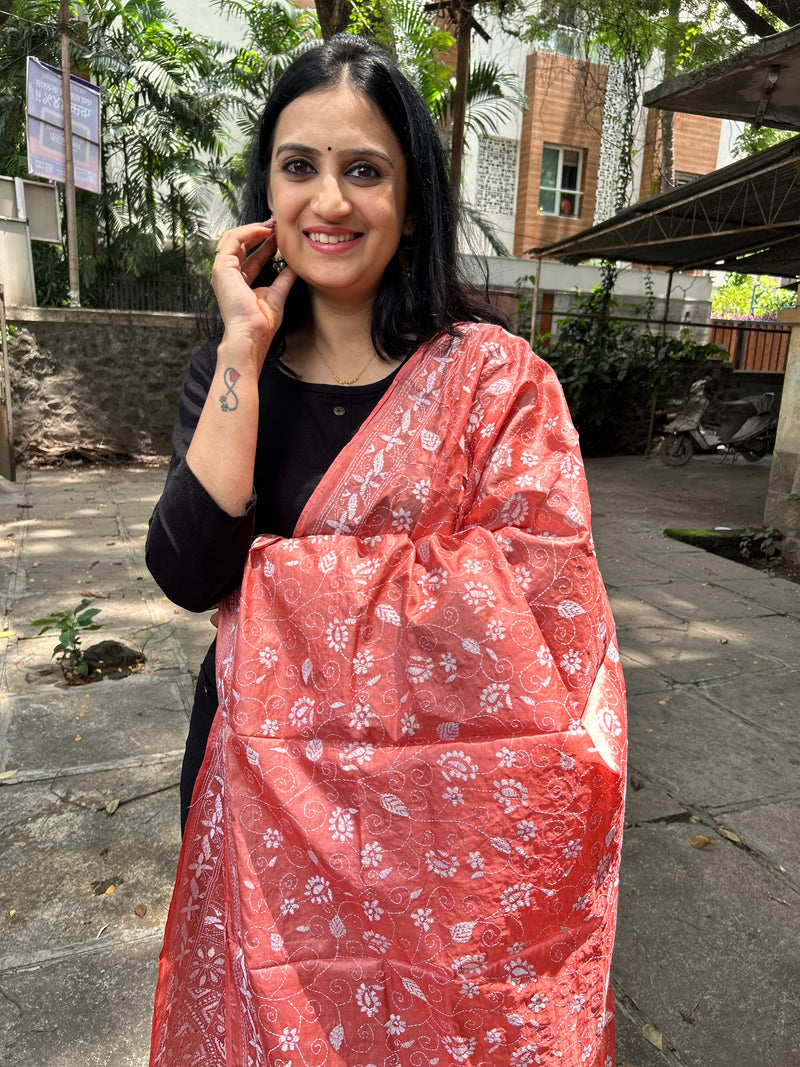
x=92, y=1008
x=703, y=755
x=701, y=926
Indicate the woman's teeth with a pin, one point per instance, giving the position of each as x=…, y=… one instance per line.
x=331, y=238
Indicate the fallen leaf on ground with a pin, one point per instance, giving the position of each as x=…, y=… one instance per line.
x=637, y=783
x=103, y=888
x=5, y=775
x=731, y=836
x=655, y=1037
x=700, y=841
x=12, y=913
x=140, y=910
x=112, y=806
x=8, y=633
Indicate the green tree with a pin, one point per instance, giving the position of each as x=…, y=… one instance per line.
x=749, y=294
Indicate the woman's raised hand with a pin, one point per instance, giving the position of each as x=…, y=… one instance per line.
x=251, y=316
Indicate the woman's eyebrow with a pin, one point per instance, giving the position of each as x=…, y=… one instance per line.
x=372, y=153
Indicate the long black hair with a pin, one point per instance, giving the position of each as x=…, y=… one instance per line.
x=421, y=293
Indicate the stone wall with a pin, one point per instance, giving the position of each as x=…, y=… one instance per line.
x=96, y=383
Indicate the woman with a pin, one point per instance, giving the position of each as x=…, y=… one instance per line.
x=403, y=843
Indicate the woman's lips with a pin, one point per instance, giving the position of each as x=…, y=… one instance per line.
x=331, y=242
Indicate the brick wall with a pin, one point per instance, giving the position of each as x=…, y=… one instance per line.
x=696, y=148
x=565, y=108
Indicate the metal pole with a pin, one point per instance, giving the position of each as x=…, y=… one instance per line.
x=664, y=322
x=69, y=182
x=535, y=301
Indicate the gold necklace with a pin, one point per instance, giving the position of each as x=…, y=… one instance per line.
x=343, y=381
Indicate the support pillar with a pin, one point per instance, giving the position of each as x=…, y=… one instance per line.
x=782, y=507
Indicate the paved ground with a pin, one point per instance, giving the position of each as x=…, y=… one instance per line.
x=707, y=945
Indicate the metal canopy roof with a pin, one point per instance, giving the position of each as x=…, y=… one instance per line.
x=760, y=84
x=745, y=217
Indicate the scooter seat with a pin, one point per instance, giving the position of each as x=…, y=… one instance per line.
x=748, y=405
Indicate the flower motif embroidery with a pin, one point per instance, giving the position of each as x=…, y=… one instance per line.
x=362, y=663
x=510, y=794
x=341, y=824
x=439, y=862
x=460, y=1048
x=268, y=656
x=526, y=830
x=468, y=968
x=571, y=661
x=302, y=713
x=457, y=766
x=371, y=854
x=519, y=972
x=409, y=724
x=355, y=755
x=516, y=897
x=336, y=635
x=368, y=999
x=537, y=1003
x=318, y=889
x=372, y=910
x=423, y=918
x=394, y=1025
x=289, y=1039
x=478, y=595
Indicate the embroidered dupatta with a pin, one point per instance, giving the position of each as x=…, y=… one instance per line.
x=404, y=842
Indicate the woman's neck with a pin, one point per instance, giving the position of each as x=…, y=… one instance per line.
x=335, y=345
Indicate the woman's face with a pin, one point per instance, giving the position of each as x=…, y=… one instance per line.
x=337, y=187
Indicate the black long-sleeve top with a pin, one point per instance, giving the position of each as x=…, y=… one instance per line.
x=195, y=550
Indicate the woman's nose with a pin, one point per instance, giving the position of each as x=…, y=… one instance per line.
x=331, y=200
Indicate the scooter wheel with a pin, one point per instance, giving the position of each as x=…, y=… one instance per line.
x=676, y=449
x=753, y=457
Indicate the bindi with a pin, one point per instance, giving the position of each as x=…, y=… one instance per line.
x=329, y=148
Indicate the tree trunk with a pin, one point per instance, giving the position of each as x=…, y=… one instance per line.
x=333, y=15
x=461, y=14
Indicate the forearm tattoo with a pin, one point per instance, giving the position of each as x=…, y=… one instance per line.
x=229, y=401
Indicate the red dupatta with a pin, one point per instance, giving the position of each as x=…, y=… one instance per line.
x=404, y=842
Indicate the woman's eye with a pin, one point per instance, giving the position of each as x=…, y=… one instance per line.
x=364, y=171
x=297, y=166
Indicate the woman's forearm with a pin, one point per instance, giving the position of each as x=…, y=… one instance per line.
x=222, y=451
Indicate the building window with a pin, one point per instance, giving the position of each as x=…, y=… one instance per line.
x=560, y=182
x=496, y=193
x=683, y=177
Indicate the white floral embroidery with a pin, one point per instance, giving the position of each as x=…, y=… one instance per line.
x=516, y=897
x=460, y=1048
x=457, y=766
x=571, y=849
x=435, y=580
x=537, y=1003
x=453, y=795
x=495, y=696
x=439, y=862
x=421, y=490
x=289, y=906
x=479, y=596
x=340, y=824
x=571, y=661
x=373, y=910
x=448, y=663
x=302, y=713
x=506, y=757
x=362, y=663
x=510, y=794
x=318, y=889
x=395, y=1025
x=423, y=918
x=289, y=1039
x=526, y=830
x=371, y=854
x=519, y=972
x=525, y=1057
x=469, y=967
x=402, y=519
x=272, y=838
x=355, y=755
x=377, y=942
x=419, y=668
x=268, y=656
x=360, y=715
x=409, y=724
x=337, y=635
x=368, y=999
x=496, y=630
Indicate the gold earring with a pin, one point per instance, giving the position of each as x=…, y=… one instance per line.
x=278, y=260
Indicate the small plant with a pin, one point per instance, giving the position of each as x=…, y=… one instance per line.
x=70, y=624
x=762, y=543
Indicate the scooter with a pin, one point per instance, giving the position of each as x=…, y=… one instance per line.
x=744, y=427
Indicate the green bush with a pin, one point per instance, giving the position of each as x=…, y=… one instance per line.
x=610, y=371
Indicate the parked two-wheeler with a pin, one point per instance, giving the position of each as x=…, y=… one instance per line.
x=744, y=427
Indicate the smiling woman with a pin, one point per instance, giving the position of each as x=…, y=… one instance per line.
x=403, y=780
